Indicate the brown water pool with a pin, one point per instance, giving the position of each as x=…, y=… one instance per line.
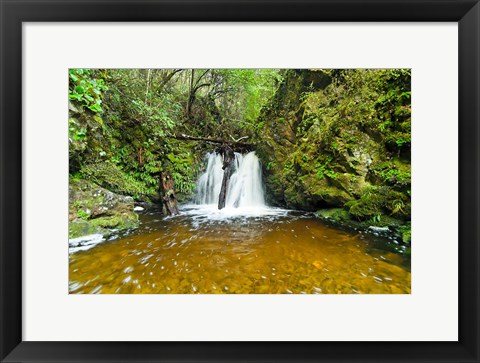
x=268, y=251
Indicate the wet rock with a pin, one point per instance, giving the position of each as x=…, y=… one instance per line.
x=394, y=229
x=378, y=229
x=84, y=243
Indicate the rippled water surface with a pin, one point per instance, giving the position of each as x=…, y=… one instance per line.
x=256, y=251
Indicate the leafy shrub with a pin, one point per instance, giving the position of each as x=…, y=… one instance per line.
x=85, y=89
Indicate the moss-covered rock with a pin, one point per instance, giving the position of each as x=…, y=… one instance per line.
x=329, y=134
x=93, y=209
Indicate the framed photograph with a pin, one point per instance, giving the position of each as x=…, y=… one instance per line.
x=239, y=181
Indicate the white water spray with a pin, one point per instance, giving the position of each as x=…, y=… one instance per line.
x=245, y=187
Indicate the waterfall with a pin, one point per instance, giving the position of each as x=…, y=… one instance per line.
x=245, y=187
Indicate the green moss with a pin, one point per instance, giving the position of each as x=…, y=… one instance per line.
x=294, y=198
x=334, y=214
x=350, y=183
x=363, y=209
x=324, y=191
x=99, y=120
x=395, y=228
x=82, y=214
x=109, y=175
x=81, y=228
x=101, y=225
x=116, y=222
x=394, y=172
x=376, y=201
x=406, y=232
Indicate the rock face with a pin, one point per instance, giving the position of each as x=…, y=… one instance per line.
x=95, y=210
x=340, y=139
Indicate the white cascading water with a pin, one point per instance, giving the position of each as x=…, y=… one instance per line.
x=245, y=187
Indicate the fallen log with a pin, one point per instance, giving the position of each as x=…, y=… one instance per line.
x=235, y=144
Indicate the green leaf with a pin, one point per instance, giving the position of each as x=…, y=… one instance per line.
x=79, y=89
x=75, y=96
x=95, y=108
x=79, y=137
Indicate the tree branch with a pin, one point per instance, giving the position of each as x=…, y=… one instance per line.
x=200, y=86
x=235, y=143
x=201, y=76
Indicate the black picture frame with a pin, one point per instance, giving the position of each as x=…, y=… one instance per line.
x=15, y=12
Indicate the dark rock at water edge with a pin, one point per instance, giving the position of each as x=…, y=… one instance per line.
x=391, y=228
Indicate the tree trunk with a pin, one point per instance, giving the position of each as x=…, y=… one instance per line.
x=168, y=191
x=228, y=159
x=190, y=95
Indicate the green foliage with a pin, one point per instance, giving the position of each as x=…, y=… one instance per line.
x=182, y=170
x=270, y=165
x=335, y=214
x=83, y=214
x=86, y=89
x=143, y=109
x=394, y=173
x=395, y=176
x=324, y=169
x=112, y=177
x=393, y=108
x=255, y=87
x=337, y=135
x=75, y=132
x=75, y=177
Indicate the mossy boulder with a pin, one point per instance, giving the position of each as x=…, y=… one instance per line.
x=96, y=210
